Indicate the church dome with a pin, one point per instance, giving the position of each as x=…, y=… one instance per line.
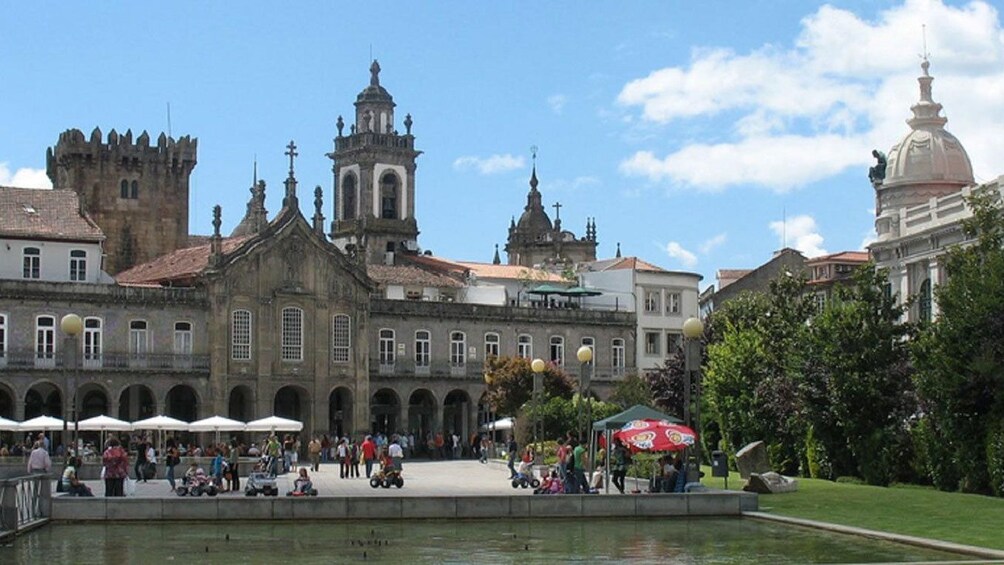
x=374, y=93
x=534, y=219
x=929, y=153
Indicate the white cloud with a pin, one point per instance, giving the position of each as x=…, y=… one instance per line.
x=799, y=114
x=489, y=165
x=713, y=243
x=573, y=185
x=676, y=251
x=24, y=177
x=801, y=233
x=557, y=102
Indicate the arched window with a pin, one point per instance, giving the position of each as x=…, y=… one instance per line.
x=386, y=348
x=292, y=334
x=348, y=197
x=341, y=338
x=78, y=265
x=617, y=355
x=924, y=301
x=240, y=335
x=134, y=193
x=423, y=348
x=388, y=196
x=32, y=263
x=458, y=349
x=92, y=342
x=492, y=343
x=45, y=341
x=558, y=350
x=3, y=340
x=124, y=189
x=524, y=346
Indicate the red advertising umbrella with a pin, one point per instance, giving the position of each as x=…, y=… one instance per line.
x=656, y=435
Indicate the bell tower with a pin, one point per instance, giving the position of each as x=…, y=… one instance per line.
x=374, y=179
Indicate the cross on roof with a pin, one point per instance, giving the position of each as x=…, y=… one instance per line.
x=557, y=210
x=292, y=154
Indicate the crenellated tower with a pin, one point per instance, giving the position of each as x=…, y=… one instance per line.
x=374, y=178
x=136, y=192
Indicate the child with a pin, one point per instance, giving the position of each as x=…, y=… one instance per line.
x=556, y=486
x=302, y=483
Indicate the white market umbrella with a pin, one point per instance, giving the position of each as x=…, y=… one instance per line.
x=160, y=423
x=274, y=424
x=103, y=423
x=10, y=425
x=216, y=424
x=43, y=423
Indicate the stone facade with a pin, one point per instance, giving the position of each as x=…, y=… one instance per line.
x=136, y=192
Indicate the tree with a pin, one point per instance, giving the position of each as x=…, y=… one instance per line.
x=510, y=383
x=859, y=358
x=960, y=357
x=631, y=391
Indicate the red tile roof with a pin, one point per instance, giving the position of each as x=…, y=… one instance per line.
x=45, y=214
x=183, y=264
x=624, y=263
x=513, y=272
x=409, y=275
x=843, y=256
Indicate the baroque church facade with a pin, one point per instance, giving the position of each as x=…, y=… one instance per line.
x=349, y=331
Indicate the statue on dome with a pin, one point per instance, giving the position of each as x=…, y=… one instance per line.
x=876, y=174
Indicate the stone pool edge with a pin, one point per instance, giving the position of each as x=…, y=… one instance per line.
x=928, y=543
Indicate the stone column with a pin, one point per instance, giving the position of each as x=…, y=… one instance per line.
x=933, y=272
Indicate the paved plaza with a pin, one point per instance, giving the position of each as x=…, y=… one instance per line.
x=463, y=477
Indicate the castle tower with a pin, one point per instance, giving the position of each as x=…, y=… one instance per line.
x=374, y=179
x=136, y=193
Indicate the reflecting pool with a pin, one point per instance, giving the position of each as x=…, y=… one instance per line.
x=678, y=540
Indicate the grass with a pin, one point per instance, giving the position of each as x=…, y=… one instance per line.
x=903, y=509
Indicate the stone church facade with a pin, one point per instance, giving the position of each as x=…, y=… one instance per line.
x=279, y=317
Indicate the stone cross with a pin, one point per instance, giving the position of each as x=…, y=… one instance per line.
x=557, y=210
x=292, y=154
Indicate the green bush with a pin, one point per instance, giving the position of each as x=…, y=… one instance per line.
x=815, y=454
x=995, y=457
x=850, y=480
x=936, y=455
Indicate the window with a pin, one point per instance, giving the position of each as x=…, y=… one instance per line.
x=423, y=347
x=3, y=339
x=92, y=342
x=139, y=340
x=45, y=341
x=292, y=334
x=924, y=301
x=558, y=350
x=134, y=193
x=458, y=349
x=348, y=197
x=240, y=335
x=386, y=348
x=674, y=342
x=492, y=341
x=32, y=263
x=78, y=265
x=341, y=338
x=652, y=340
x=673, y=303
x=617, y=355
x=182, y=338
x=819, y=301
x=524, y=347
x=388, y=196
x=124, y=189
x=652, y=301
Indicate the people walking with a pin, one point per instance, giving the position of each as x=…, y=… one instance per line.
x=233, y=458
x=171, y=459
x=620, y=458
x=116, y=468
x=369, y=454
x=314, y=449
x=511, y=449
x=39, y=462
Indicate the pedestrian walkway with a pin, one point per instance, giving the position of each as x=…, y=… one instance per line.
x=464, y=477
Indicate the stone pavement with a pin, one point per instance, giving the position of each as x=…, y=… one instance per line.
x=463, y=477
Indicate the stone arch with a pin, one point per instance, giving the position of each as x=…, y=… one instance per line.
x=293, y=402
x=340, y=412
x=390, y=195
x=457, y=414
x=422, y=406
x=7, y=403
x=92, y=400
x=43, y=398
x=240, y=404
x=385, y=411
x=182, y=402
x=350, y=195
x=136, y=402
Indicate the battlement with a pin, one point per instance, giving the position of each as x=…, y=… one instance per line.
x=72, y=143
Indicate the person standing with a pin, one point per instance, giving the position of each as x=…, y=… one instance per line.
x=314, y=449
x=396, y=455
x=272, y=450
x=116, y=468
x=369, y=454
x=619, y=460
x=137, y=468
x=39, y=462
x=511, y=449
x=150, y=469
x=580, y=457
x=171, y=459
x=234, y=459
x=342, y=454
x=353, y=459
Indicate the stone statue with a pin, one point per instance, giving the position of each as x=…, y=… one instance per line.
x=876, y=174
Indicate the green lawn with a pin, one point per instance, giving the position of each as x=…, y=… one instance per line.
x=911, y=510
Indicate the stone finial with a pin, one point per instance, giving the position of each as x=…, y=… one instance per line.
x=375, y=73
x=318, y=202
x=217, y=213
x=407, y=124
x=496, y=260
x=340, y=124
x=618, y=250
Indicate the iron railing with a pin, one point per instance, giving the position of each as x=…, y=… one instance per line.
x=25, y=504
x=31, y=359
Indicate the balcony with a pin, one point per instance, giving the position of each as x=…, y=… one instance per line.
x=406, y=368
x=21, y=359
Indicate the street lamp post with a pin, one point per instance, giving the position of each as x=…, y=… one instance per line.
x=537, y=366
x=693, y=331
x=72, y=326
x=585, y=355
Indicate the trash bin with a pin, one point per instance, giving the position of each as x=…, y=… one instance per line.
x=719, y=464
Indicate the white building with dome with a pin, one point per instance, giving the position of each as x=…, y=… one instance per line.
x=921, y=202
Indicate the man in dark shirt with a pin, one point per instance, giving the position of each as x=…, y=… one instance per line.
x=512, y=448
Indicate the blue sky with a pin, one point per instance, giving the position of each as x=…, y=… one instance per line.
x=689, y=130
